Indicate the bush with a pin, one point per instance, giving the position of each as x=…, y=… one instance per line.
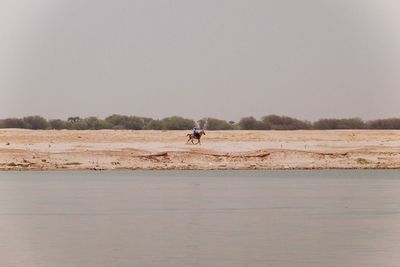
x=216, y=124
x=325, y=124
x=276, y=122
x=58, y=124
x=250, y=123
x=352, y=123
x=146, y=122
x=154, y=125
x=35, y=122
x=93, y=123
x=177, y=123
x=78, y=125
x=135, y=123
x=117, y=121
x=269, y=122
x=392, y=124
x=125, y=122
x=331, y=124
x=74, y=119
x=14, y=123
x=202, y=123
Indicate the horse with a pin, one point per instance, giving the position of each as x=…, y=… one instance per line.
x=193, y=136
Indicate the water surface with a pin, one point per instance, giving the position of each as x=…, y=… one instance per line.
x=228, y=218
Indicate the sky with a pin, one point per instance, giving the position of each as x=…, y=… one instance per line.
x=222, y=58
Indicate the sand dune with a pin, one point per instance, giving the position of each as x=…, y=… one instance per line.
x=121, y=149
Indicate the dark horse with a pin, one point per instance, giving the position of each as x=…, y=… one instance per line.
x=197, y=137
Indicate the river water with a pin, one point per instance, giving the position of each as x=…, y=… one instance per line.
x=211, y=218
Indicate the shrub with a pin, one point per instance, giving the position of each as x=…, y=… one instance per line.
x=14, y=123
x=216, y=124
x=269, y=122
x=177, y=123
x=391, y=123
x=93, y=123
x=331, y=124
x=35, y=122
x=154, y=125
x=134, y=123
x=202, y=123
x=125, y=122
x=352, y=123
x=58, y=124
x=146, y=122
x=74, y=119
x=117, y=121
x=276, y=122
x=325, y=124
x=250, y=123
x=78, y=125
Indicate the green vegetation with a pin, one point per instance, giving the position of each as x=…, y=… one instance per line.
x=275, y=122
x=362, y=161
x=177, y=123
x=250, y=123
x=352, y=123
x=123, y=122
x=393, y=124
x=116, y=121
x=215, y=124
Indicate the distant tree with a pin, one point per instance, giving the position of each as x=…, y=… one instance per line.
x=390, y=124
x=78, y=125
x=273, y=122
x=331, y=124
x=177, y=123
x=247, y=123
x=351, y=123
x=125, y=122
x=103, y=124
x=117, y=120
x=14, y=123
x=276, y=122
x=74, y=119
x=58, y=124
x=216, y=124
x=202, y=123
x=146, y=122
x=35, y=122
x=154, y=125
x=250, y=123
x=134, y=123
x=93, y=123
x=325, y=124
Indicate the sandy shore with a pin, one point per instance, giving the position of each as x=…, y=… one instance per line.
x=120, y=149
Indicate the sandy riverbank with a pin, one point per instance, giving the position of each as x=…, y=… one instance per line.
x=120, y=149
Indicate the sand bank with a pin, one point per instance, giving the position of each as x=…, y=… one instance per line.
x=122, y=149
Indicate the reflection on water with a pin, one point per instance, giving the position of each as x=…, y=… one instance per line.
x=276, y=218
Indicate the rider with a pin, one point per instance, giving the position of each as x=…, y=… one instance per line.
x=196, y=131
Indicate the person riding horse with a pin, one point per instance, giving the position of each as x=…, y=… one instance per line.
x=197, y=133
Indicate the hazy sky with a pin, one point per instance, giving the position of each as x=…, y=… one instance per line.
x=220, y=58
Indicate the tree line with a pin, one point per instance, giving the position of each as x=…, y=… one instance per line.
x=270, y=122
